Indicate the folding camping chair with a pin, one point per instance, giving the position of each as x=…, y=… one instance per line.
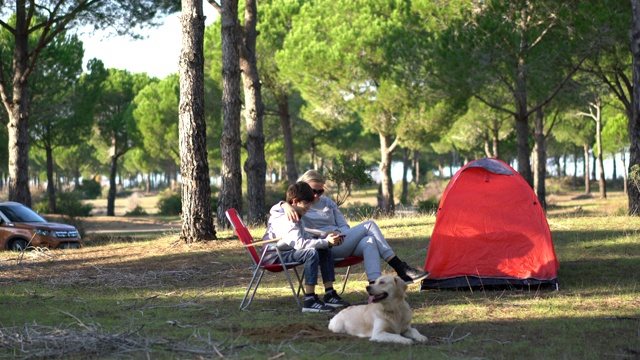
x=258, y=267
x=340, y=262
x=347, y=262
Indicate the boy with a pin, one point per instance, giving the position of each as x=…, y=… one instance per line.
x=298, y=246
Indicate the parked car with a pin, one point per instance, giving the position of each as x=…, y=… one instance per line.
x=21, y=227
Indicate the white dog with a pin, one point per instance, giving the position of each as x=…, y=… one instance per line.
x=386, y=318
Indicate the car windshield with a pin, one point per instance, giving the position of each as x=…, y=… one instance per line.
x=20, y=213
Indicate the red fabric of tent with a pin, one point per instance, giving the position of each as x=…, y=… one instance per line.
x=490, y=231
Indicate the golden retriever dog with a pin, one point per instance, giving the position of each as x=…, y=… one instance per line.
x=386, y=318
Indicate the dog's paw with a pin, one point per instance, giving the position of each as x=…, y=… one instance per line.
x=404, y=340
x=419, y=337
x=415, y=335
x=391, y=338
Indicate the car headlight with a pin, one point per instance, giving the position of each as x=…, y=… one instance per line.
x=42, y=232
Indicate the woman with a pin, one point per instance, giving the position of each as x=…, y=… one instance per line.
x=364, y=240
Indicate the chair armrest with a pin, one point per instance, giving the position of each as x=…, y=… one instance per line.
x=262, y=242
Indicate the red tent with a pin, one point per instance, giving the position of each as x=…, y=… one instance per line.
x=490, y=231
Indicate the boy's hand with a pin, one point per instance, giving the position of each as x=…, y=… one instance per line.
x=335, y=240
x=290, y=212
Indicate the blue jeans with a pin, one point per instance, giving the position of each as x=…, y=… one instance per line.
x=311, y=259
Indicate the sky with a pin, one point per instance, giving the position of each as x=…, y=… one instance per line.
x=157, y=54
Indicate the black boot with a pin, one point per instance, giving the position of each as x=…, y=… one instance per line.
x=406, y=272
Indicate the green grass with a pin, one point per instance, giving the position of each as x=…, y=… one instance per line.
x=161, y=299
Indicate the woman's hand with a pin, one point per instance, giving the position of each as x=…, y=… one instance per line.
x=290, y=212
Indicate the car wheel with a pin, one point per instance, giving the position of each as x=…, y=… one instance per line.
x=19, y=245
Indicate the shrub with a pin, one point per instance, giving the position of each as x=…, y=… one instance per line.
x=414, y=191
x=137, y=211
x=90, y=188
x=348, y=173
x=428, y=206
x=360, y=212
x=68, y=203
x=275, y=192
x=169, y=203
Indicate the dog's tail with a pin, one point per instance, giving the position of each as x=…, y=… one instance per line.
x=335, y=324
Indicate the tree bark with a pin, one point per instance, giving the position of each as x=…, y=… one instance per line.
x=405, y=170
x=587, y=179
x=522, y=125
x=113, y=167
x=416, y=167
x=285, y=121
x=625, y=181
x=255, y=166
x=598, y=117
x=386, y=151
x=51, y=189
x=230, y=195
x=541, y=159
x=197, y=220
x=18, y=111
x=634, y=123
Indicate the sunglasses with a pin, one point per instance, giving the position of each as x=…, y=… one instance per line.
x=318, y=191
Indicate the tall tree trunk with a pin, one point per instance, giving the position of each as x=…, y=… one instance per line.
x=522, y=119
x=386, y=152
x=113, y=168
x=541, y=159
x=230, y=195
x=405, y=170
x=197, y=220
x=255, y=166
x=51, y=184
x=587, y=180
x=594, y=166
x=18, y=111
x=601, y=180
x=285, y=121
x=614, y=170
x=575, y=168
x=625, y=183
x=522, y=133
x=416, y=166
x=634, y=124
x=312, y=153
x=495, y=140
x=486, y=139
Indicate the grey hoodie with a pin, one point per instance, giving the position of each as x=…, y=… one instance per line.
x=292, y=234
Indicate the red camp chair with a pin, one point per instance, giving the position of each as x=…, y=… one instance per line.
x=340, y=262
x=347, y=262
x=259, y=268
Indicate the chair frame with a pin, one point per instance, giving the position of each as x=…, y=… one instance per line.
x=258, y=267
x=347, y=262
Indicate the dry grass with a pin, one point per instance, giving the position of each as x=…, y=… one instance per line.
x=122, y=297
x=124, y=204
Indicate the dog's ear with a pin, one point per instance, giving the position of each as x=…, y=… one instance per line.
x=401, y=284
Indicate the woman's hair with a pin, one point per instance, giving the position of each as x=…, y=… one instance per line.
x=312, y=175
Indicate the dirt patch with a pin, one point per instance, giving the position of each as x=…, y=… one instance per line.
x=293, y=332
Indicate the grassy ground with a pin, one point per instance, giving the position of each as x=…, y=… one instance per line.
x=161, y=299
